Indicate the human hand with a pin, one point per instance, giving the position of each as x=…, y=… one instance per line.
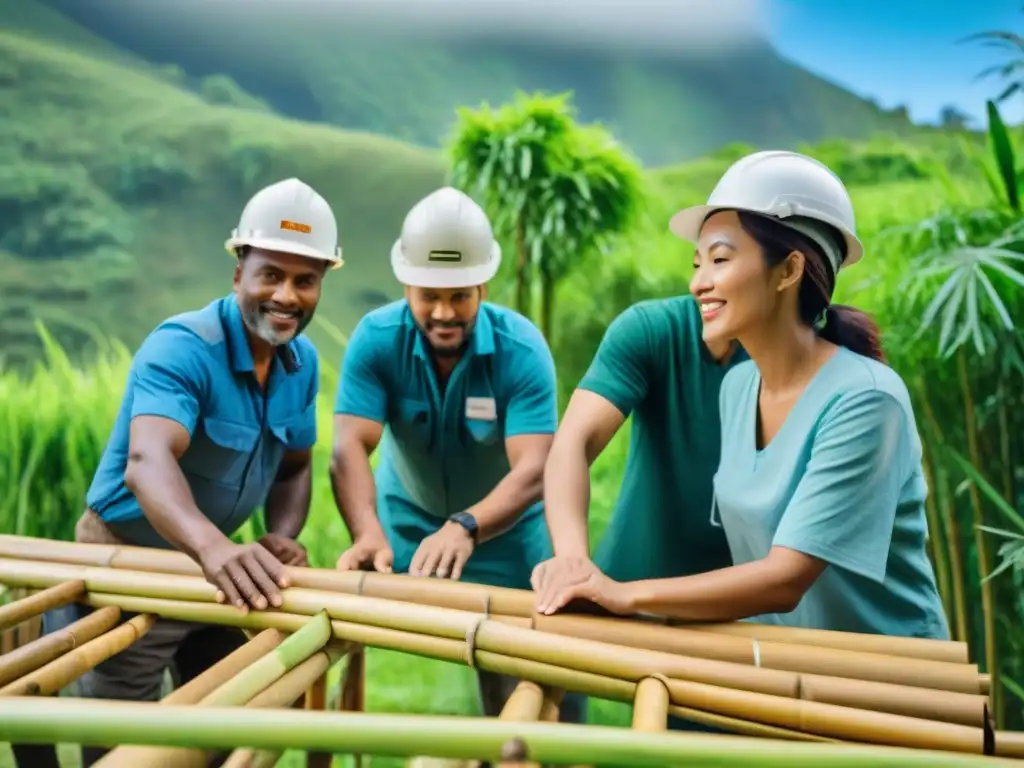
x=244, y=574
x=443, y=553
x=287, y=550
x=580, y=579
x=371, y=550
x=561, y=569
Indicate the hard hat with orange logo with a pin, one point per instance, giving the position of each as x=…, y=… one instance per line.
x=289, y=217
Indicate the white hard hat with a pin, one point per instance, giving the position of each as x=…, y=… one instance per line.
x=783, y=185
x=446, y=242
x=289, y=216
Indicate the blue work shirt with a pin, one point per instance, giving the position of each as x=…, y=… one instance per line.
x=443, y=453
x=196, y=368
x=842, y=481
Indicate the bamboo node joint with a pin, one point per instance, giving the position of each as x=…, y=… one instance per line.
x=471, y=641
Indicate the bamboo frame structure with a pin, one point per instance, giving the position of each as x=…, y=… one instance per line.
x=837, y=698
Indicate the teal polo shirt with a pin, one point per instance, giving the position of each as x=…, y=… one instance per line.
x=441, y=453
x=196, y=368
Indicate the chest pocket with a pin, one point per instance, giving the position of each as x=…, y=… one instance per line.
x=221, y=450
x=481, y=419
x=411, y=423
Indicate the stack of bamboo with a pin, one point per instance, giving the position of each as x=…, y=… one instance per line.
x=923, y=697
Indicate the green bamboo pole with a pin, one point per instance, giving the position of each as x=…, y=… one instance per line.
x=293, y=651
x=253, y=758
x=205, y=683
x=234, y=692
x=33, y=721
x=54, y=596
x=28, y=658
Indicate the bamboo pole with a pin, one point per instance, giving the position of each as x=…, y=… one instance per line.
x=52, y=677
x=452, y=623
x=443, y=649
x=28, y=658
x=650, y=707
x=236, y=691
x=606, y=659
x=459, y=595
x=55, y=596
x=205, y=683
x=316, y=700
x=353, y=689
x=285, y=690
x=31, y=720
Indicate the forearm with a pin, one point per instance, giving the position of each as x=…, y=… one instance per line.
x=727, y=594
x=567, y=498
x=288, y=501
x=499, y=510
x=355, y=492
x=166, y=500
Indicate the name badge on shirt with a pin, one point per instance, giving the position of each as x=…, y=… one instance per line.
x=482, y=408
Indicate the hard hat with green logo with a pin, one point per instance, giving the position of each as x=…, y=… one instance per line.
x=291, y=217
x=446, y=242
x=783, y=185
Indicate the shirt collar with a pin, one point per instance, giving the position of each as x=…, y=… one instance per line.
x=482, y=342
x=238, y=341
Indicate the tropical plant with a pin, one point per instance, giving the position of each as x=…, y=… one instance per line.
x=558, y=191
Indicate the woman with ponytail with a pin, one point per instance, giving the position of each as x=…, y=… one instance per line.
x=820, y=488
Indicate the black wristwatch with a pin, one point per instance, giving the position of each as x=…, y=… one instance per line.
x=467, y=521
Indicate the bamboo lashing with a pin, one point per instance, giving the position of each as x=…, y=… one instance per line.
x=800, y=689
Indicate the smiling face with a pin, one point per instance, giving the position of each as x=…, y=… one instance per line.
x=738, y=291
x=277, y=293
x=446, y=316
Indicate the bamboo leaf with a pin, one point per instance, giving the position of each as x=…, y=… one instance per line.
x=990, y=493
x=1002, y=150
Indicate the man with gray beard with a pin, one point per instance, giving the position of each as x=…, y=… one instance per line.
x=218, y=418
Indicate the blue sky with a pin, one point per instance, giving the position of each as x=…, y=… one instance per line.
x=901, y=51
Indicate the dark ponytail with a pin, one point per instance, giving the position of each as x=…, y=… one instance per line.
x=839, y=324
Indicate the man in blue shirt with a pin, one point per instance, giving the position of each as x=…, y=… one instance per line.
x=463, y=393
x=218, y=418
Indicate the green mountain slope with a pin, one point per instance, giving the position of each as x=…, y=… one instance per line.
x=311, y=62
x=117, y=190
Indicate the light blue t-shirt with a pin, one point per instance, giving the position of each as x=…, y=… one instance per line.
x=842, y=481
x=442, y=452
x=196, y=368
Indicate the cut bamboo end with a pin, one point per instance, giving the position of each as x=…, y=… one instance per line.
x=650, y=705
x=54, y=596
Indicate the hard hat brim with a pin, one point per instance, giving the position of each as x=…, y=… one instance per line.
x=687, y=223
x=443, y=277
x=283, y=246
